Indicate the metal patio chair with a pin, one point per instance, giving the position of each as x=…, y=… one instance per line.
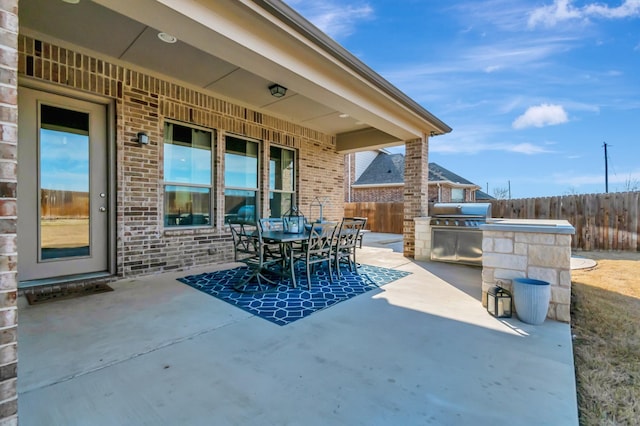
x=318, y=249
x=272, y=250
x=346, y=241
x=250, y=249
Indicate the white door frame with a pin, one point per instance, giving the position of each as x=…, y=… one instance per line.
x=108, y=267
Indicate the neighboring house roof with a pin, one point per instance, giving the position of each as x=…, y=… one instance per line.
x=481, y=195
x=384, y=169
x=437, y=173
x=388, y=170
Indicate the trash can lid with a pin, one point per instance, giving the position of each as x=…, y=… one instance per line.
x=531, y=281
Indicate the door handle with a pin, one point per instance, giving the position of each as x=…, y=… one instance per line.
x=103, y=209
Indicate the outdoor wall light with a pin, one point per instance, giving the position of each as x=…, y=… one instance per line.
x=499, y=302
x=277, y=90
x=143, y=138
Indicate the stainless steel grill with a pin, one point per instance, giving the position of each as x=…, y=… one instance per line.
x=455, y=233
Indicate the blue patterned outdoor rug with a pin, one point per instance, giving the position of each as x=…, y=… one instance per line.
x=285, y=304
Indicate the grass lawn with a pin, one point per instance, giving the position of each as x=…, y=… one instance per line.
x=606, y=325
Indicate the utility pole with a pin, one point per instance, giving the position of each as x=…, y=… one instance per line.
x=606, y=170
x=509, y=182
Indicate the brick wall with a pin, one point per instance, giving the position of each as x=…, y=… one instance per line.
x=378, y=195
x=143, y=103
x=416, y=176
x=8, y=212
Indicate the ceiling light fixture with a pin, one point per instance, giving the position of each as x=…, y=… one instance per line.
x=71, y=1
x=277, y=90
x=167, y=38
x=344, y=115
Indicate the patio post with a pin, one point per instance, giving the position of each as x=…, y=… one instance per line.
x=416, y=189
x=8, y=211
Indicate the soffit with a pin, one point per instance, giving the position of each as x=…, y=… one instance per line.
x=246, y=53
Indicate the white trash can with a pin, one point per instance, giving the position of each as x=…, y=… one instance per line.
x=531, y=299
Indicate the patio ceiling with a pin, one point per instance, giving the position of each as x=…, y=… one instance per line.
x=236, y=49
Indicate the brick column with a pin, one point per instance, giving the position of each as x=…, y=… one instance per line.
x=416, y=190
x=8, y=211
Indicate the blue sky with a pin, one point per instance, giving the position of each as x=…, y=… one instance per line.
x=532, y=89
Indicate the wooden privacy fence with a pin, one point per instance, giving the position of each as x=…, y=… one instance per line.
x=381, y=217
x=602, y=221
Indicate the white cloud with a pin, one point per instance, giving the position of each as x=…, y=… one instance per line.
x=627, y=9
x=334, y=18
x=475, y=147
x=527, y=148
x=560, y=10
x=563, y=10
x=540, y=116
x=492, y=68
x=568, y=178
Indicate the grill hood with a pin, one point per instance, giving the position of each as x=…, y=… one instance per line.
x=461, y=209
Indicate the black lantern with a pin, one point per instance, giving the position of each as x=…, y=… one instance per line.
x=293, y=221
x=499, y=302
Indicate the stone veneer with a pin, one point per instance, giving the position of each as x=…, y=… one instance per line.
x=529, y=249
x=422, y=238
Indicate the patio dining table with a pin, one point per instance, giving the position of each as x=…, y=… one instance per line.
x=286, y=241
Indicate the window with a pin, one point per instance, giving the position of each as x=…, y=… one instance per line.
x=188, y=176
x=457, y=194
x=281, y=180
x=240, y=179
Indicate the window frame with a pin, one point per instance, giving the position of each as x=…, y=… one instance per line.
x=258, y=190
x=212, y=178
x=294, y=191
x=462, y=191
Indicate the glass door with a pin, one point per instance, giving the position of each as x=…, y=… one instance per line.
x=62, y=187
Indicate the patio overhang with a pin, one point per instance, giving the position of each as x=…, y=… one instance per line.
x=236, y=49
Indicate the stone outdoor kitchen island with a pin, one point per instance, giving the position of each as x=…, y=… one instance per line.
x=519, y=248
x=539, y=249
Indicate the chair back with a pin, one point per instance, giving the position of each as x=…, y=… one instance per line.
x=347, y=235
x=363, y=219
x=320, y=241
x=247, y=241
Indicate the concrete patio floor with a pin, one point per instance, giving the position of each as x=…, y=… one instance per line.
x=420, y=350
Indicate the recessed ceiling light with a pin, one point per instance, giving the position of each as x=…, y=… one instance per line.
x=167, y=38
x=344, y=116
x=71, y=1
